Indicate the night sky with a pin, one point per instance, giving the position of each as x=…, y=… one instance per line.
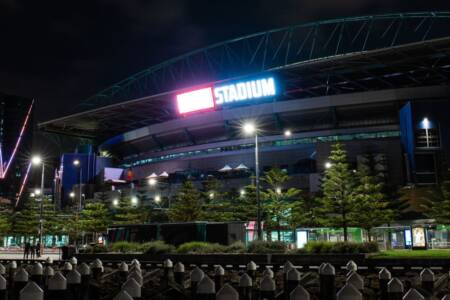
x=61, y=52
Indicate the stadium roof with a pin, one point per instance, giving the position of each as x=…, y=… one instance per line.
x=315, y=59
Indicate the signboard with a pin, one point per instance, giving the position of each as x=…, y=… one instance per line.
x=418, y=238
x=209, y=97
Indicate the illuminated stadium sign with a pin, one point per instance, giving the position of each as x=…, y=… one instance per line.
x=208, y=97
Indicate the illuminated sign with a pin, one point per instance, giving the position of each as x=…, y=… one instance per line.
x=197, y=100
x=245, y=90
x=209, y=97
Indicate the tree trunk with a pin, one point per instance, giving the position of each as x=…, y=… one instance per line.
x=278, y=230
x=344, y=225
x=369, y=236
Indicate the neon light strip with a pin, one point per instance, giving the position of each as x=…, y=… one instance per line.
x=24, y=182
x=24, y=126
x=1, y=162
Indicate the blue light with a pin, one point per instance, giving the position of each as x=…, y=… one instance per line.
x=245, y=90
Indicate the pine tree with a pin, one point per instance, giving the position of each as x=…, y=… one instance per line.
x=245, y=206
x=278, y=203
x=5, y=219
x=95, y=218
x=371, y=207
x=128, y=213
x=438, y=206
x=337, y=188
x=26, y=221
x=188, y=204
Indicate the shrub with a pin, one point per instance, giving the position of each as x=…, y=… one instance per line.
x=125, y=247
x=236, y=247
x=156, y=248
x=340, y=247
x=200, y=247
x=264, y=247
x=319, y=247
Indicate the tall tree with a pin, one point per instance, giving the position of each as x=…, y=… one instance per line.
x=337, y=187
x=95, y=218
x=438, y=204
x=244, y=205
x=278, y=202
x=188, y=204
x=371, y=206
x=128, y=213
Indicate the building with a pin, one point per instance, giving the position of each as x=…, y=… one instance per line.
x=379, y=84
x=16, y=136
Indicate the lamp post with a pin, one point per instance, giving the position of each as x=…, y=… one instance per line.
x=249, y=129
x=37, y=160
x=77, y=164
x=426, y=126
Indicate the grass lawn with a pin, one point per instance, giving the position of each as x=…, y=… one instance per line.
x=399, y=254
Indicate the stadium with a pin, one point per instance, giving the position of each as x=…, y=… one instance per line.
x=379, y=84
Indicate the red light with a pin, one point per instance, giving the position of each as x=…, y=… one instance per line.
x=197, y=100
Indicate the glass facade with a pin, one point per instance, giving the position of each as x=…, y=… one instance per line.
x=277, y=143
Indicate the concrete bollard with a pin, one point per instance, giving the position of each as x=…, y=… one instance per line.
x=97, y=269
x=74, y=284
x=251, y=269
x=74, y=261
x=384, y=276
x=57, y=287
x=66, y=268
x=286, y=268
x=3, y=288
x=219, y=277
x=348, y=292
x=48, y=273
x=245, y=287
x=227, y=292
x=168, y=270
x=356, y=280
x=395, y=289
x=49, y=261
x=2, y=270
x=427, y=280
x=123, y=295
x=351, y=266
x=299, y=293
x=12, y=268
x=85, y=272
x=31, y=291
x=123, y=271
x=136, y=276
x=327, y=275
x=206, y=289
x=196, y=276
x=267, y=288
x=135, y=268
x=446, y=297
x=20, y=281
x=292, y=281
x=413, y=294
x=268, y=272
x=178, y=273
x=37, y=274
x=133, y=288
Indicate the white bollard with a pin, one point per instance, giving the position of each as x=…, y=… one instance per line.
x=356, y=280
x=395, y=289
x=251, y=269
x=268, y=272
x=206, y=289
x=413, y=294
x=136, y=276
x=227, y=292
x=31, y=292
x=219, y=276
x=178, y=273
x=133, y=288
x=292, y=280
x=267, y=288
x=446, y=297
x=427, y=279
x=245, y=286
x=74, y=261
x=348, y=292
x=37, y=274
x=74, y=283
x=299, y=293
x=384, y=276
x=49, y=261
x=2, y=269
x=123, y=295
x=3, y=293
x=351, y=266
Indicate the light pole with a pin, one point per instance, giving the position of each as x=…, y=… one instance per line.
x=426, y=126
x=37, y=160
x=77, y=164
x=249, y=129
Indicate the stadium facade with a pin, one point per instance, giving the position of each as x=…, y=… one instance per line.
x=378, y=84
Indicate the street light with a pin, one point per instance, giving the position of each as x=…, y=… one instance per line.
x=211, y=195
x=157, y=198
x=152, y=182
x=134, y=200
x=287, y=133
x=426, y=126
x=327, y=165
x=250, y=129
x=72, y=195
x=77, y=164
x=278, y=190
x=116, y=202
x=37, y=160
x=242, y=192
